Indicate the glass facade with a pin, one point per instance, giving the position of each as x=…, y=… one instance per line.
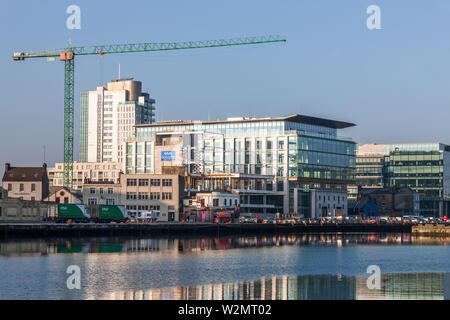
x=302, y=151
x=424, y=169
x=321, y=158
x=370, y=171
x=297, y=155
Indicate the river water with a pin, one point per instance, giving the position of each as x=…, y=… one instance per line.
x=287, y=267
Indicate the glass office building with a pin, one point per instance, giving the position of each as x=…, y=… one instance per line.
x=288, y=152
x=425, y=168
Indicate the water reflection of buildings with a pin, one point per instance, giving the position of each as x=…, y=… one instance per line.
x=275, y=288
x=421, y=286
x=184, y=245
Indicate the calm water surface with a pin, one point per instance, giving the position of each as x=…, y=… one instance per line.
x=332, y=266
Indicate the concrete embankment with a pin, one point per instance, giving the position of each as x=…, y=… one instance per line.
x=74, y=230
x=431, y=230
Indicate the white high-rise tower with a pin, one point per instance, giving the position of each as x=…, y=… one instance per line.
x=108, y=116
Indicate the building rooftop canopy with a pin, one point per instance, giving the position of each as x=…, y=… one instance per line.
x=297, y=118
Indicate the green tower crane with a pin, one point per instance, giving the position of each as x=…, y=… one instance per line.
x=67, y=55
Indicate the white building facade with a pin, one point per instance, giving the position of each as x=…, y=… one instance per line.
x=108, y=116
x=85, y=171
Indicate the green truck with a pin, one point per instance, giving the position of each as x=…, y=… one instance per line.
x=72, y=212
x=109, y=213
x=92, y=213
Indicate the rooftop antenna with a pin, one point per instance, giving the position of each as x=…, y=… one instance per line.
x=44, y=154
x=119, y=71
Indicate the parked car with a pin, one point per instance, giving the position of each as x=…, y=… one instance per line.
x=299, y=220
x=406, y=219
x=247, y=219
x=383, y=220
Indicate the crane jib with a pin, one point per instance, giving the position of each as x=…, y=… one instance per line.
x=68, y=56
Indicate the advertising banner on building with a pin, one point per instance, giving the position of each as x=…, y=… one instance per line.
x=168, y=156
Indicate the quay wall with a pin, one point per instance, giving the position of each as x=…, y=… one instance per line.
x=81, y=230
x=431, y=230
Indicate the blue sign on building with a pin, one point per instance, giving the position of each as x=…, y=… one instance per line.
x=371, y=209
x=167, y=155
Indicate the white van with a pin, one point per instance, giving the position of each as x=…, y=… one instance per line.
x=148, y=216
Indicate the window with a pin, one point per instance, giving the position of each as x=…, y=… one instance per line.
x=101, y=190
x=215, y=202
x=167, y=196
x=0, y=211
x=131, y=182
x=110, y=191
x=167, y=182
x=110, y=202
x=33, y=198
x=33, y=187
x=131, y=196
x=9, y=187
x=155, y=182
x=92, y=190
x=66, y=200
x=92, y=201
x=143, y=196
x=143, y=182
x=21, y=187
x=154, y=195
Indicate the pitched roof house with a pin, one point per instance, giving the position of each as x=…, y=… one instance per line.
x=27, y=183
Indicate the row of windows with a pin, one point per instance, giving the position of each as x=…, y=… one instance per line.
x=143, y=207
x=153, y=182
x=339, y=198
x=416, y=163
x=101, y=190
x=108, y=202
x=22, y=187
x=226, y=202
x=369, y=171
x=322, y=145
x=423, y=169
x=141, y=147
x=229, y=129
x=89, y=167
x=149, y=196
x=322, y=173
x=414, y=157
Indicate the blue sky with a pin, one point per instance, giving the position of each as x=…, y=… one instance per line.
x=394, y=83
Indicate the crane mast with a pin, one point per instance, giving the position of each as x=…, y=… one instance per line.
x=67, y=55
